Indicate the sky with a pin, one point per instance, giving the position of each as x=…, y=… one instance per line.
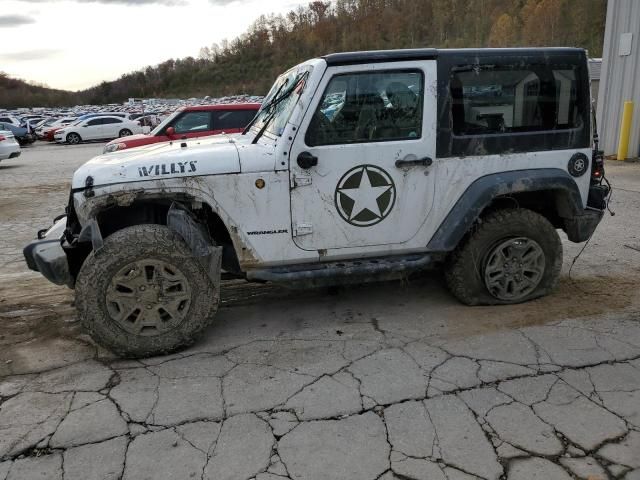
x=75, y=44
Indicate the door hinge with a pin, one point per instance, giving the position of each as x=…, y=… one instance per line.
x=301, y=179
x=300, y=229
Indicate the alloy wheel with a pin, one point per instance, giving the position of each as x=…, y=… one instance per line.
x=514, y=268
x=148, y=297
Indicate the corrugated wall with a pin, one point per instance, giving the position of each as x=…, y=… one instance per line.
x=620, y=76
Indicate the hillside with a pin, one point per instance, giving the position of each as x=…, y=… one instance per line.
x=18, y=93
x=249, y=64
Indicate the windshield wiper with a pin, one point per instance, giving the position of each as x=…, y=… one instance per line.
x=253, y=120
x=274, y=103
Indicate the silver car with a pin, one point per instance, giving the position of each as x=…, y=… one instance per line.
x=9, y=147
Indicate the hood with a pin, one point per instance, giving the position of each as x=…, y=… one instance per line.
x=138, y=136
x=183, y=158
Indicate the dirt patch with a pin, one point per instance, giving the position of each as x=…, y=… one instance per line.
x=584, y=297
x=34, y=309
x=29, y=309
x=36, y=189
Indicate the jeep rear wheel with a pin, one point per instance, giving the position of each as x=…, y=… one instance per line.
x=512, y=256
x=144, y=293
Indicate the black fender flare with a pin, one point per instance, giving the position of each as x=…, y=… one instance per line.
x=182, y=221
x=485, y=189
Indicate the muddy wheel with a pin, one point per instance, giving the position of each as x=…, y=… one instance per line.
x=512, y=256
x=144, y=293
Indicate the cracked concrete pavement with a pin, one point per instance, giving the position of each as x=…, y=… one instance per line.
x=391, y=381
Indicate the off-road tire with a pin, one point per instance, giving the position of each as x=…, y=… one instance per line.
x=73, y=138
x=131, y=244
x=125, y=132
x=464, y=272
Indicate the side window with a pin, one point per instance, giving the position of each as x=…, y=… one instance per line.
x=94, y=122
x=504, y=99
x=369, y=107
x=192, y=122
x=232, y=119
x=106, y=121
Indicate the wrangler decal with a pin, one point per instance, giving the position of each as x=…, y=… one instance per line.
x=268, y=232
x=168, y=168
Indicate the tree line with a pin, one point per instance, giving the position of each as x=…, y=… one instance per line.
x=250, y=62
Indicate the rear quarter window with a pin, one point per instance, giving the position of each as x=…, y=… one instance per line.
x=509, y=104
x=507, y=99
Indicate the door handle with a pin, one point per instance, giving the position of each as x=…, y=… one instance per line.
x=425, y=162
x=306, y=160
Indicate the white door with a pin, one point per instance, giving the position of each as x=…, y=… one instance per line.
x=92, y=129
x=360, y=163
x=111, y=127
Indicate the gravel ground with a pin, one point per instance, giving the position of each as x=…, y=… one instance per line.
x=385, y=381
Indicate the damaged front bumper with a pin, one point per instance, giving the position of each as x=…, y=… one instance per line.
x=47, y=256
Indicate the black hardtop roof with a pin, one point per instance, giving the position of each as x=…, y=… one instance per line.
x=379, y=56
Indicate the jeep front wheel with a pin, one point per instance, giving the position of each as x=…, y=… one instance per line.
x=144, y=293
x=512, y=256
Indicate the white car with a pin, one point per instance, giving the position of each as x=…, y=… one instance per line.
x=97, y=128
x=9, y=119
x=9, y=147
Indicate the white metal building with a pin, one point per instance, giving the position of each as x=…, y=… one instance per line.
x=595, y=65
x=620, y=75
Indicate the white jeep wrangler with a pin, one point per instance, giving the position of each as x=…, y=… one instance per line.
x=358, y=166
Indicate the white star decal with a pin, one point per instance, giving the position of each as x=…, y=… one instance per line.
x=365, y=196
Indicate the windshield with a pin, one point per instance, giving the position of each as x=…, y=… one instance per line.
x=288, y=86
x=164, y=123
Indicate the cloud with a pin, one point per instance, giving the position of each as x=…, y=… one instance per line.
x=136, y=2
x=14, y=20
x=121, y=2
x=28, y=55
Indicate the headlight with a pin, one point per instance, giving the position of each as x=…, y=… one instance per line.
x=114, y=147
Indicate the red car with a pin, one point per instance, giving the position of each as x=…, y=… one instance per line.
x=49, y=134
x=189, y=122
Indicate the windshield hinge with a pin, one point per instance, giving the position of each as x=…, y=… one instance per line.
x=300, y=229
x=301, y=179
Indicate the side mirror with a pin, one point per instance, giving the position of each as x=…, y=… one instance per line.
x=170, y=131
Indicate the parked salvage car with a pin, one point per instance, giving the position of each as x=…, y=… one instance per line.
x=9, y=147
x=22, y=134
x=190, y=122
x=418, y=163
x=10, y=119
x=40, y=128
x=48, y=133
x=96, y=128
